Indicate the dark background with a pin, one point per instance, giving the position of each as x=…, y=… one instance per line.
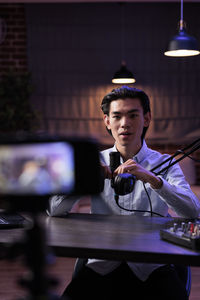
x=73, y=49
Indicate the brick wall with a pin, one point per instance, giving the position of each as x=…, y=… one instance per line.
x=13, y=50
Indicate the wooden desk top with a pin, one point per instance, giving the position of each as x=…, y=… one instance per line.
x=111, y=237
x=116, y=238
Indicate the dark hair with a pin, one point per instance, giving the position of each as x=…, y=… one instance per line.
x=123, y=93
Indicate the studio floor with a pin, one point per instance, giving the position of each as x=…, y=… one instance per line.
x=61, y=269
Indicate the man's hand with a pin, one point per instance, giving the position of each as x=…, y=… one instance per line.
x=131, y=167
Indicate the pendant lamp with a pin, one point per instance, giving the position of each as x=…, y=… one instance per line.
x=182, y=44
x=123, y=75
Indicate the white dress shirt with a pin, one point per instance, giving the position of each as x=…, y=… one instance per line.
x=175, y=194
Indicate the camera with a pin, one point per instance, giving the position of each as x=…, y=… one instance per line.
x=33, y=168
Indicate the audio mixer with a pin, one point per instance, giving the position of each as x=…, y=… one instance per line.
x=185, y=234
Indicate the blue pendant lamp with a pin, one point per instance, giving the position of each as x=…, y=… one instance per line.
x=182, y=44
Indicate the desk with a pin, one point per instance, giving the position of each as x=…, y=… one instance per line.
x=111, y=237
x=116, y=238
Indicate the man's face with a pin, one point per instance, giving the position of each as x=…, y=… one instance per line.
x=126, y=121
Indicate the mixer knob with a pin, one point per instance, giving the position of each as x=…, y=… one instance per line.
x=175, y=227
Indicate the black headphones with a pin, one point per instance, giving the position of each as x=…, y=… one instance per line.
x=122, y=184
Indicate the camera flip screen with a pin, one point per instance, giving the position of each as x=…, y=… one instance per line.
x=37, y=169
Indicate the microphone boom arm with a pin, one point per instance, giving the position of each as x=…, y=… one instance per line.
x=193, y=147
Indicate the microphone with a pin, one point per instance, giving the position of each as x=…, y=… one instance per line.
x=114, y=163
x=114, y=160
x=122, y=183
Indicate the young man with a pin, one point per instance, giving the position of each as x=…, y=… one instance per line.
x=127, y=117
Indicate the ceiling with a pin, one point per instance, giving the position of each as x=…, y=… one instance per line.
x=90, y=1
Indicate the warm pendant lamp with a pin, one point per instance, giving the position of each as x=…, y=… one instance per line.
x=182, y=44
x=123, y=75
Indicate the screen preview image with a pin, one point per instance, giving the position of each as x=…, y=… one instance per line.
x=37, y=169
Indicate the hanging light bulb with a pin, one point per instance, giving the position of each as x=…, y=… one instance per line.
x=182, y=44
x=123, y=75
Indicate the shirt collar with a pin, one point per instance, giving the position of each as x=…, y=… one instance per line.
x=140, y=155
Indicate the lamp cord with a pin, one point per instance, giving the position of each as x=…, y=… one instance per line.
x=181, y=10
x=181, y=23
x=122, y=31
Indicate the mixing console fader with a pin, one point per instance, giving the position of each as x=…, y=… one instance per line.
x=185, y=234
